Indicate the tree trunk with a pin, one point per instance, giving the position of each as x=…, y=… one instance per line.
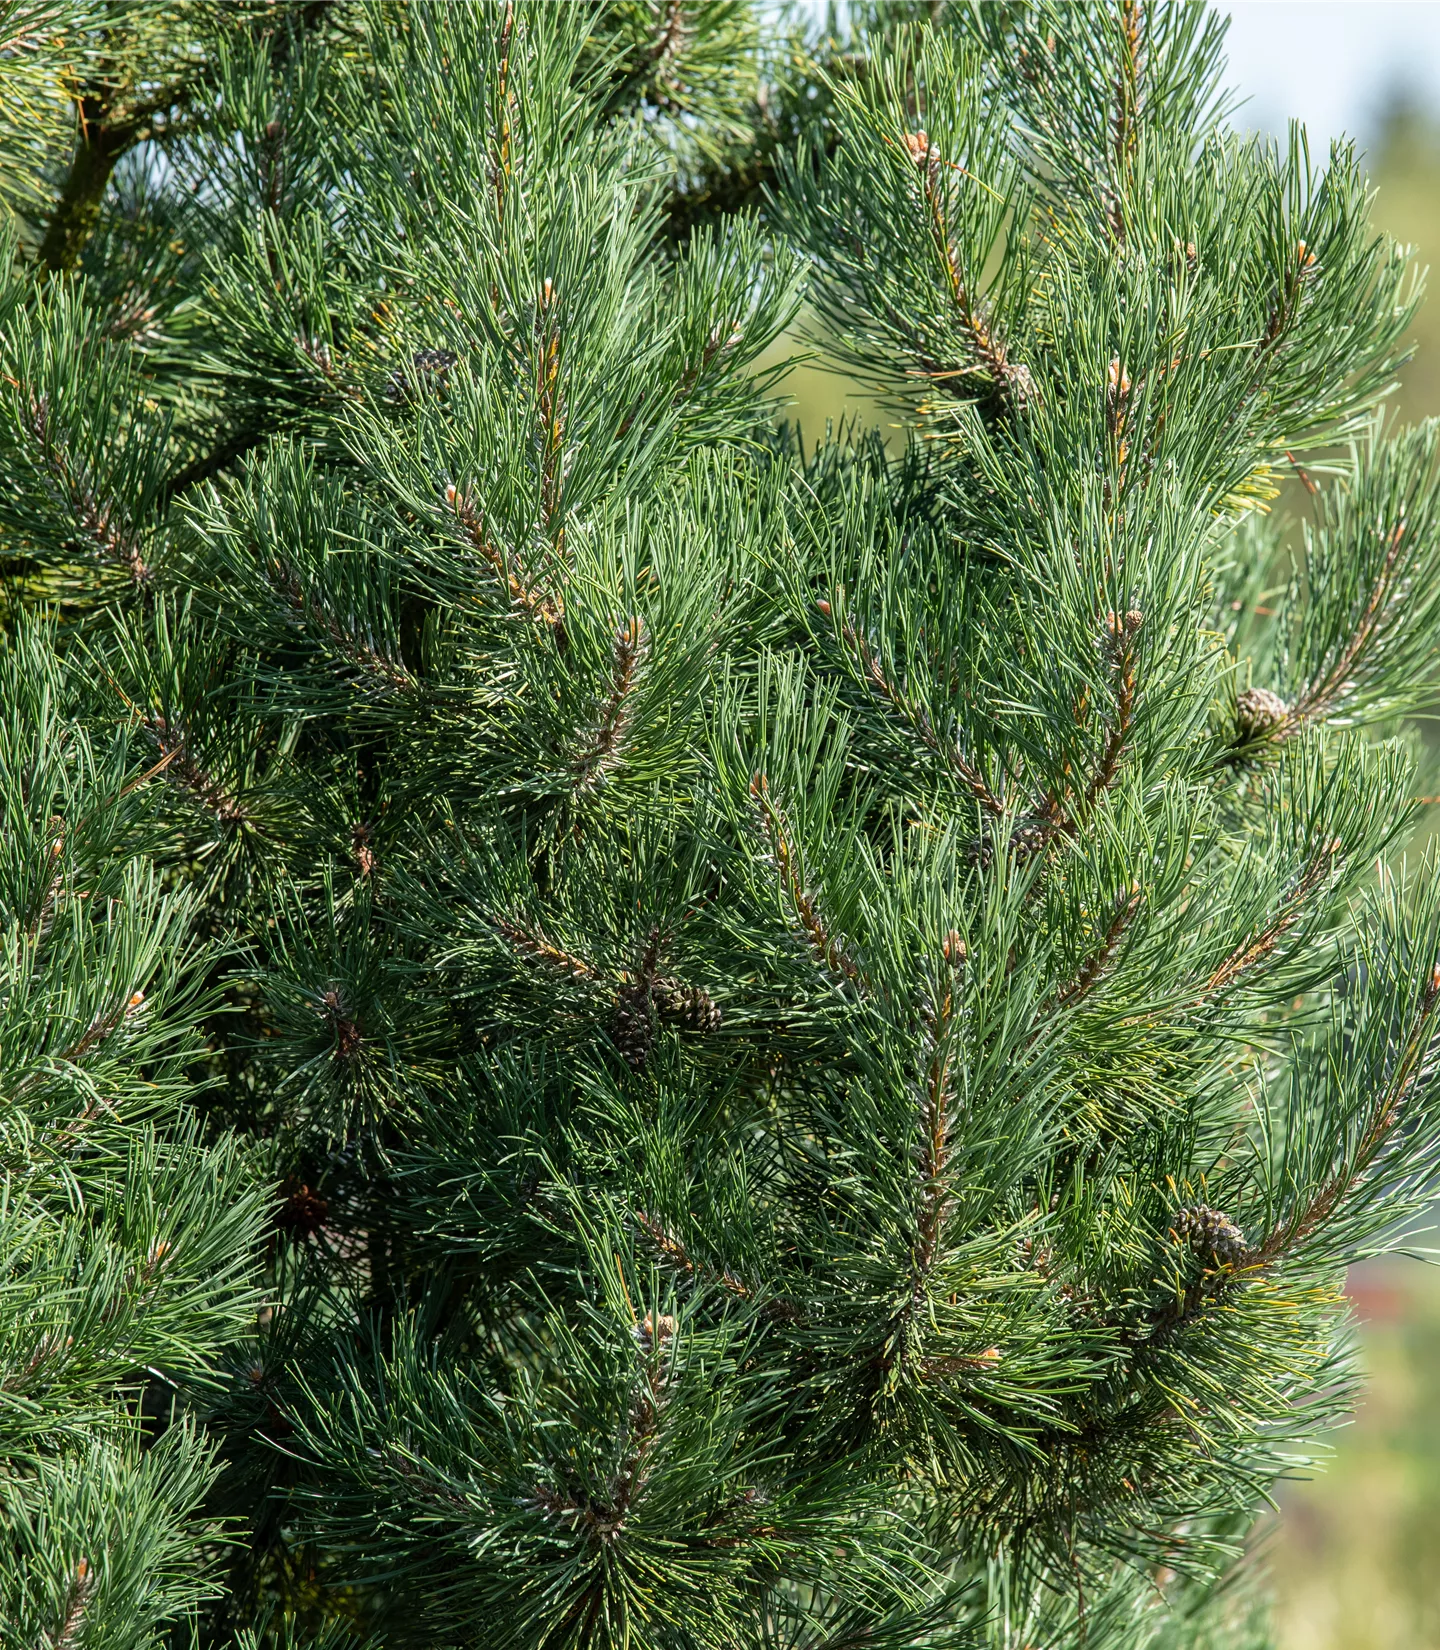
x=98, y=147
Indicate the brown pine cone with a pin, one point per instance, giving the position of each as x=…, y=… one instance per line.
x=687, y=1006
x=1207, y=1231
x=1259, y=712
x=632, y=1028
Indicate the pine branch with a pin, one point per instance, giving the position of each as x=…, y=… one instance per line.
x=189, y=776
x=1095, y=967
x=1385, y=1118
x=936, y=1108
x=604, y=747
x=534, y=605
x=66, y=1634
x=827, y=947
x=549, y=402
x=1256, y=947
x=1012, y=380
x=532, y=944
x=500, y=163
x=1321, y=697
x=915, y=716
x=679, y=1259
x=388, y=676
x=102, y=527
x=1125, y=121
x=1055, y=816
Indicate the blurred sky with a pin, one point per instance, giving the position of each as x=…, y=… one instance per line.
x=1335, y=64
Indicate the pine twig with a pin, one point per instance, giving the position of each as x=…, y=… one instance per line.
x=1097, y=964
x=532, y=943
x=603, y=749
x=1125, y=120
x=66, y=1634
x=1259, y=946
x=914, y=715
x=1012, y=380
x=530, y=601
x=391, y=677
x=935, y=1122
x=187, y=774
x=827, y=946
x=113, y=543
x=1387, y=1114
x=679, y=1259
x=1321, y=698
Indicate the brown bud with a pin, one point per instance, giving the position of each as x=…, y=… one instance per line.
x=953, y=949
x=303, y=1212
x=657, y=1330
x=920, y=148
x=360, y=848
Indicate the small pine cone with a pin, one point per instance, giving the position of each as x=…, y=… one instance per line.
x=655, y=1331
x=431, y=368
x=1029, y=837
x=1018, y=383
x=920, y=149
x=1258, y=712
x=632, y=1028
x=687, y=1006
x=303, y=1212
x=1207, y=1231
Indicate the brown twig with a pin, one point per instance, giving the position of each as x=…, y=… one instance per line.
x=604, y=746
x=114, y=542
x=915, y=716
x=1125, y=120
x=936, y=1109
x=675, y=1254
x=536, y=606
x=827, y=946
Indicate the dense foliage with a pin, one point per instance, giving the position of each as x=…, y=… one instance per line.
x=619, y=1027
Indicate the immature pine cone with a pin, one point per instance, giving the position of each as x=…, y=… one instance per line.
x=632, y=1028
x=1258, y=711
x=1208, y=1231
x=687, y=1006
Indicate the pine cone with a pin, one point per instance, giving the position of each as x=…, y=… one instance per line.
x=1207, y=1231
x=687, y=1006
x=1258, y=712
x=431, y=369
x=303, y=1212
x=632, y=1029
x=1029, y=837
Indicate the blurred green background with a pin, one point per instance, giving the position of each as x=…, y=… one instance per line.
x=1354, y=1553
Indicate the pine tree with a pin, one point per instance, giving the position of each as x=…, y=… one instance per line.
x=622, y=1027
